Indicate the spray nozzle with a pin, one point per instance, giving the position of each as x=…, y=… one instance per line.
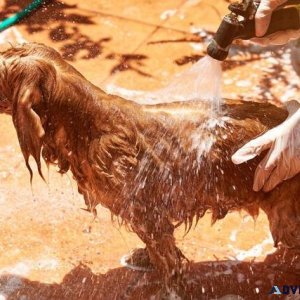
x=240, y=24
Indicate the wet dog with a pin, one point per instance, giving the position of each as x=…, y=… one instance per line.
x=153, y=166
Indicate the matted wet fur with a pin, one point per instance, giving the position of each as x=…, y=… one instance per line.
x=153, y=166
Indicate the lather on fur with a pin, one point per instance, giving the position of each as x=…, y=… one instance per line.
x=153, y=166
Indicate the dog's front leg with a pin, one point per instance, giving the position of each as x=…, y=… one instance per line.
x=162, y=250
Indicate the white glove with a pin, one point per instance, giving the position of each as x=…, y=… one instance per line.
x=295, y=57
x=262, y=22
x=283, y=159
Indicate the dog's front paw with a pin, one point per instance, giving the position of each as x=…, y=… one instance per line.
x=138, y=260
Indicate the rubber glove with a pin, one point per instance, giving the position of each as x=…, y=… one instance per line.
x=262, y=22
x=283, y=159
x=295, y=56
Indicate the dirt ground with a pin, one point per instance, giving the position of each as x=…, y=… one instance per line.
x=50, y=248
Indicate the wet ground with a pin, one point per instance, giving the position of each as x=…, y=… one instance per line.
x=52, y=249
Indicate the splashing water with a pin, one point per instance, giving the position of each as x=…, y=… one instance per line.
x=201, y=82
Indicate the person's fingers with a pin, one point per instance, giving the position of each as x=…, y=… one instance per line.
x=283, y=37
x=292, y=106
x=287, y=168
x=295, y=59
x=264, y=14
x=294, y=168
x=274, y=180
x=279, y=174
x=252, y=149
x=263, y=42
x=262, y=20
x=279, y=38
x=264, y=170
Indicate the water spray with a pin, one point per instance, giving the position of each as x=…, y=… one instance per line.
x=10, y=21
x=240, y=24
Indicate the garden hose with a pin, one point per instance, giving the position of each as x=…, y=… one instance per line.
x=20, y=15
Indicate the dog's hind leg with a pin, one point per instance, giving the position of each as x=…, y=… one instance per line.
x=282, y=207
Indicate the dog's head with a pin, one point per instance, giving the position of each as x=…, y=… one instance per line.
x=20, y=95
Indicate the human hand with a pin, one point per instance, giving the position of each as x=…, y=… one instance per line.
x=262, y=22
x=283, y=159
x=295, y=57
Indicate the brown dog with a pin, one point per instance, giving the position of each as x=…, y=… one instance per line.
x=154, y=166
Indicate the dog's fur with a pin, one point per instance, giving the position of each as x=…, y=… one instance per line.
x=153, y=166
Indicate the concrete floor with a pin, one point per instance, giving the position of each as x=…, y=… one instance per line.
x=49, y=247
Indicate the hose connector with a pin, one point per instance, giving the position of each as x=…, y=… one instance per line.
x=240, y=24
x=224, y=37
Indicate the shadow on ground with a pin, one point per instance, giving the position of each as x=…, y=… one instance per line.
x=203, y=280
x=62, y=22
x=68, y=25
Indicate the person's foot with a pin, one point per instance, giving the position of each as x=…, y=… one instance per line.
x=138, y=260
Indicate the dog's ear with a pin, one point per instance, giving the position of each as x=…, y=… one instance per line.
x=29, y=126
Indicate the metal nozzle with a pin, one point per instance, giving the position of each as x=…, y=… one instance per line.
x=217, y=52
x=227, y=32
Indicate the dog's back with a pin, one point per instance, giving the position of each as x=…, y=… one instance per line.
x=193, y=171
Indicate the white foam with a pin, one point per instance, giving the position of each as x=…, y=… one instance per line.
x=244, y=83
x=167, y=14
x=25, y=267
x=20, y=269
x=233, y=235
x=255, y=251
